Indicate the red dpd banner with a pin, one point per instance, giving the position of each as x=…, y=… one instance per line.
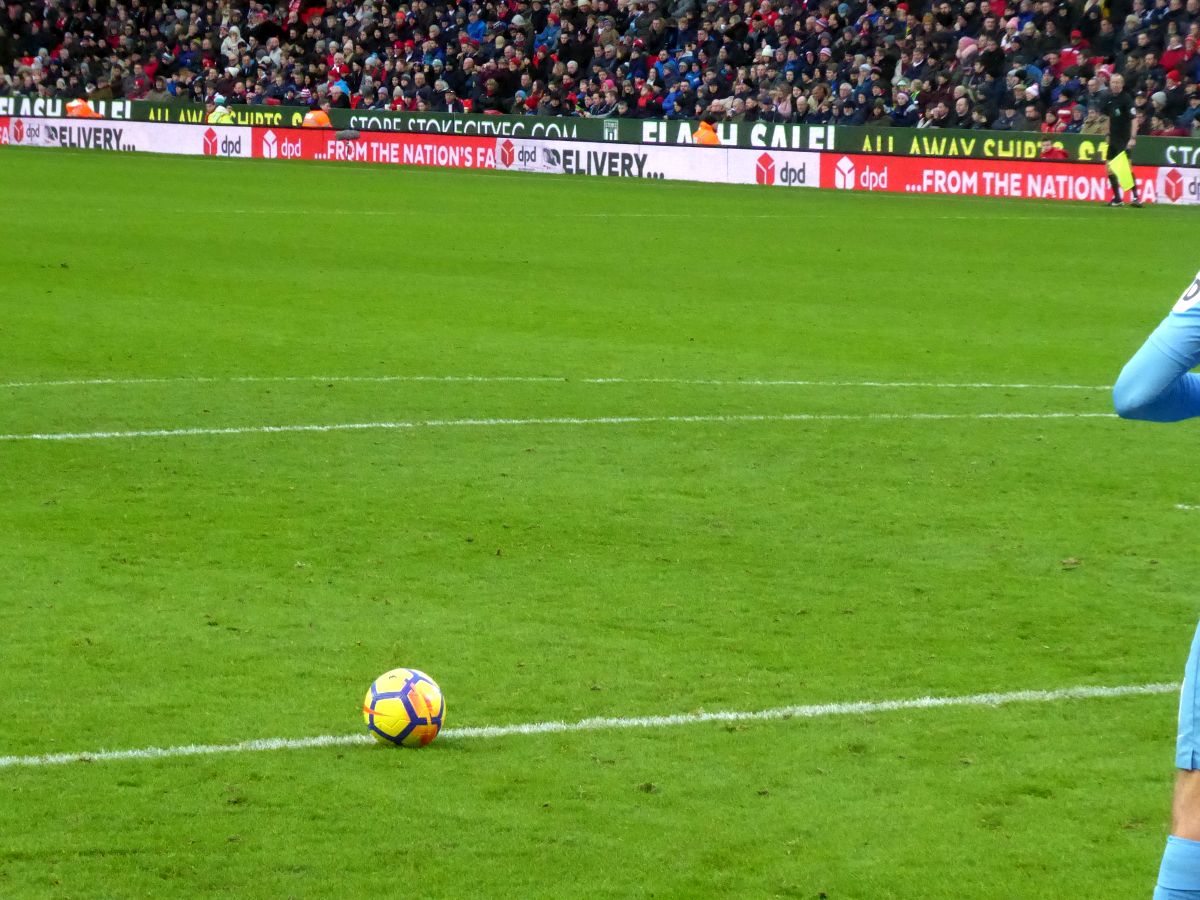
x=396, y=148
x=977, y=177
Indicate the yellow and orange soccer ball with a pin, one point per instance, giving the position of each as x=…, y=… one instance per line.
x=404, y=707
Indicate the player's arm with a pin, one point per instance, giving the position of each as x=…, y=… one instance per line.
x=1157, y=385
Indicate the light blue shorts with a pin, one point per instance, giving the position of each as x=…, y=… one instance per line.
x=1187, y=744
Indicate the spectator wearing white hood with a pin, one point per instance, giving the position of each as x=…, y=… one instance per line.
x=229, y=46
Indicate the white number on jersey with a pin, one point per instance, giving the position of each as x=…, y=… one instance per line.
x=1190, y=297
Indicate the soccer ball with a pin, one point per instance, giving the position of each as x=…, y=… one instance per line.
x=404, y=707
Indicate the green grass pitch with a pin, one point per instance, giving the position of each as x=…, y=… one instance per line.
x=216, y=588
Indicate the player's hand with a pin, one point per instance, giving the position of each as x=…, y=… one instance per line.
x=1132, y=143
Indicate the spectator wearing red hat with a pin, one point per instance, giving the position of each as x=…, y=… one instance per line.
x=548, y=37
x=1072, y=54
x=1176, y=96
x=542, y=63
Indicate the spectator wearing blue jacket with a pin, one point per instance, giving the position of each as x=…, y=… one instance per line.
x=549, y=37
x=668, y=72
x=476, y=27
x=680, y=102
x=1192, y=114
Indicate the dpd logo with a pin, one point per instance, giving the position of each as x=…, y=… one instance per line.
x=766, y=172
x=18, y=131
x=872, y=181
x=273, y=147
x=218, y=146
x=764, y=169
x=843, y=174
x=1179, y=185
x=1172, y=187
x=506, y=154
x=790, y=177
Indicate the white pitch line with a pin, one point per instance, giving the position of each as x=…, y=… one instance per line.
x=788, y=382
x=481, y=732
x=270, y=379
x=1187, y=506
x=552, y=379
x=557, y=420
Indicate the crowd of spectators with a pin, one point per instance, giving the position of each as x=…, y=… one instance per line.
x=1018, y=65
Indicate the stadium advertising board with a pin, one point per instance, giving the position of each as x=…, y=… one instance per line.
x=493, y=126
x=42, y=108
x=386, y=120
x=733, y=134
x=978, y=178
x=195, y=114
x=717, y=165
x=101, y=134
x=952, y=143
x=1177, y=186
x=625, y=131
x=724, y=165
x=609, y=160
x=393, y=148
x=949, y=143
x=773, y=168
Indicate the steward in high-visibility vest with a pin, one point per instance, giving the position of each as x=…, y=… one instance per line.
x=81, y=109
x=706, y=134
x=217, y=112
x=316, y=118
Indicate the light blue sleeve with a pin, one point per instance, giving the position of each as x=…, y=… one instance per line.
x=1156, y=384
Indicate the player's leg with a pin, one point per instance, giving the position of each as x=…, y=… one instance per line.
x=1179, y=874
x=1185, y=807
x=1156, y=384
x=1137, y=199
x=1115, y=183
x=1115, y=150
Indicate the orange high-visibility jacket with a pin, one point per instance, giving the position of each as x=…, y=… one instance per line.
x=81, y=109
x=706, y=134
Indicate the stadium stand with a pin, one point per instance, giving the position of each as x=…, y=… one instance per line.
x=1020, y=65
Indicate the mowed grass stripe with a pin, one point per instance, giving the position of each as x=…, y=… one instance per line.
x=483, y=732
